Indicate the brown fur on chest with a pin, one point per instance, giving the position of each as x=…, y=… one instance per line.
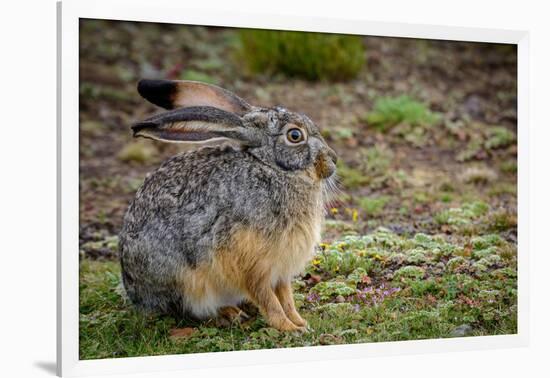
x=250, y=257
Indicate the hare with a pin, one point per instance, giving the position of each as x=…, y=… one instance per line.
x=222, y=225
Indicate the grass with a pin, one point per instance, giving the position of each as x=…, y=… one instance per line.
x=372, y=168
x=198, y=76
x=357, y=289
x=391, y=111
x=489, y=139
x=373, y=206
x=312, y=56
x=444, y=267
x=138, y=152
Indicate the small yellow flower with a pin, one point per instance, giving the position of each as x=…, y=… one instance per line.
x=337, y=269
x=378, y=257
x=355, y=215
x=316, y=262
x=334, y=211
x=323, y=246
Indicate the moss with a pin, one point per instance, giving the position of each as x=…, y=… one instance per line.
x=326, y=290
x=455, y=263
x=485, y=241
x=417, y=256
x=368, y=290
x=411, y=272
x=462, y=216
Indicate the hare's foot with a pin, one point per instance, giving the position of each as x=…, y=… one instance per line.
x=267, y=302
x=283, y=324
x=284, y=294
x=231, y=315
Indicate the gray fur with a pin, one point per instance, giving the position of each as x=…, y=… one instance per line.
x=188, y=208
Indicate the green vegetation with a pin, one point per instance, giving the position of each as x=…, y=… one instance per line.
x=352, y=178
x=376, y=287
x=198, y=76
x=486, y=140
x=312, y=56
x=391, y=111
x=372, y=168
x=373, y=206
x=138, y=152
x=499, y=137
x=420, y=239
x=463, y=219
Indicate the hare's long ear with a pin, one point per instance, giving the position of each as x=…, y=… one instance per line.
x=171, y=94
x=197, y=124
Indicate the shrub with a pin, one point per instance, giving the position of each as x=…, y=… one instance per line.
x=312, y=56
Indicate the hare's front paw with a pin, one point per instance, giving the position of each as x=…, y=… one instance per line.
x=297, y=319
x=285, y=325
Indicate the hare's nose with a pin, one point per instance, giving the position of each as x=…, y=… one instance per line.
x=332, y=155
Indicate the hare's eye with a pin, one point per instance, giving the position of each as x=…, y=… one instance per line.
x=294, y=135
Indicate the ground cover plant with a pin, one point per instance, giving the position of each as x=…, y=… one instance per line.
x=421, y=240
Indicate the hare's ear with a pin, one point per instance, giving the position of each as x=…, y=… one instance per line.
x=196, y=124
x=171, y=94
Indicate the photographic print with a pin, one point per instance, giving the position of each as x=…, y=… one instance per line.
x=245, y=189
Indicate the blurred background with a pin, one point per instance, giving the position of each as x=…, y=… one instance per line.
x=426, y=135
x=419, y=125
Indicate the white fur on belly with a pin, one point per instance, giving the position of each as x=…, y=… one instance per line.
x=208, y=306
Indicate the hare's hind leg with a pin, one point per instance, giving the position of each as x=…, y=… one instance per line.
x=283, y=291
x=230, y=315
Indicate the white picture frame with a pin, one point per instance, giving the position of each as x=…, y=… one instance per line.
x=69, y=13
